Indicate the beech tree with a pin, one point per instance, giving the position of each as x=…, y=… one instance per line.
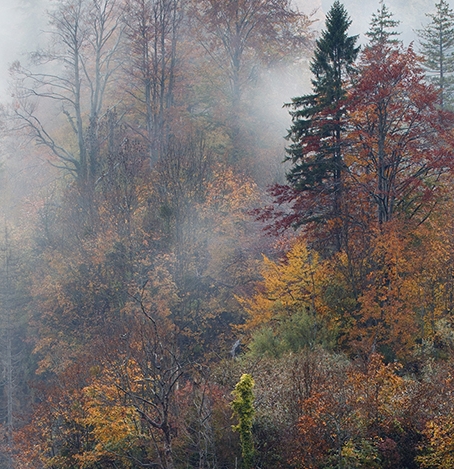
x=398, y=150
x=288, y=287
x=240, y=27
x=147, y=370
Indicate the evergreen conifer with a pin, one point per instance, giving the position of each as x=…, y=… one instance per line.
x=382, y=27
x=437, y=47
x=317, y=123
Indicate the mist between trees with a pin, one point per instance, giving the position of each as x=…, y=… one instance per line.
x=182, y=286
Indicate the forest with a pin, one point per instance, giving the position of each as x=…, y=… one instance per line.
x=186, y=284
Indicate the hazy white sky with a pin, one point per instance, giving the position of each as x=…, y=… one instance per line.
x=410, y=13
x=10, y=30
x=21, y=23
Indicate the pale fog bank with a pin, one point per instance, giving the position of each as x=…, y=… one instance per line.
x=23, y=24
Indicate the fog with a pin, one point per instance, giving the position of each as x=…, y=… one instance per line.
x=133, y=168
x=23, y=22
x=410, y=14
x=21, y=29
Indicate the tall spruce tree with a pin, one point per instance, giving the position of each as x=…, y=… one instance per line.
x=437, y=47
x=317, y=124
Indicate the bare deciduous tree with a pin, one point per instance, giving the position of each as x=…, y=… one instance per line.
x=239, y=34
x=152, y=30
x=74, y=73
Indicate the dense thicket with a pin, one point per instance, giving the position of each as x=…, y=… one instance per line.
x=147, y=320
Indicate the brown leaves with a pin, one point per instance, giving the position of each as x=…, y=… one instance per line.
x=355, y=417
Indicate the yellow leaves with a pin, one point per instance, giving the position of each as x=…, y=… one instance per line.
x=386, y=293
x=228, y=197
x=108, y=423
x=160, y=294
x=439, y=452
x=260, y=310
x=288, y=286
x=112, y=424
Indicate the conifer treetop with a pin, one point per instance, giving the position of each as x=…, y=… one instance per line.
x=382, y=27
x=437, y=48
x=334, y=47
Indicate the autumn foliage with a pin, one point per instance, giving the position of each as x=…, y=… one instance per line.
x=147, y=320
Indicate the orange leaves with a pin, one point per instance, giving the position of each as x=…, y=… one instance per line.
x=112, y=424
x=385, y=286
x=350, y=416
x=385, y=292
x=387, y=314
x=80, y=422
x=378, y=393
x=158, y=294
x=406, y=290
x=439, y=451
